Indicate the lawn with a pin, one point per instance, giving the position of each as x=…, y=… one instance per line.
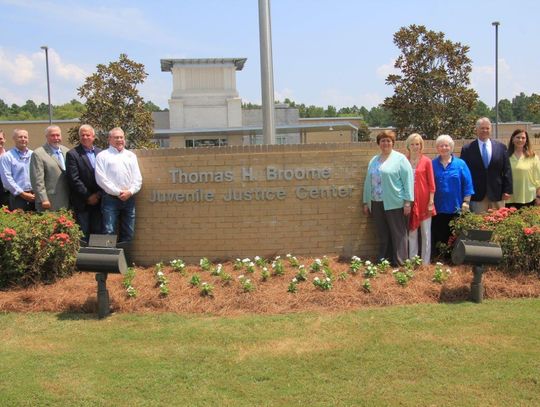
x=458, y=354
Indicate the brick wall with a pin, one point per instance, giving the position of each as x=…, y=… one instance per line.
x=222, y=229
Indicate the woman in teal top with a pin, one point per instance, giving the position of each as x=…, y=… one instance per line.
x=525, y=171
x=388, y=194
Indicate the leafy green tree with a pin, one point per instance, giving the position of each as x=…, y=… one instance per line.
x=330, y=111
x=112, y=100
x=363, y=131
x=72, y=110
x=364, y=113
x=534, y=108
x=380, y=116
x=483, y=110
x=431, y=94
x=4, y=108
x=505, y=111
x=30, y=107
x=151, y=107
x=520, y=107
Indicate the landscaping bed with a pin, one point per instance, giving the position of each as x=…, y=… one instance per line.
x=348, y=290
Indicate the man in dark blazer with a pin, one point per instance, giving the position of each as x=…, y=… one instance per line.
x=85, y=193
x=490, y=169
x=48, y=172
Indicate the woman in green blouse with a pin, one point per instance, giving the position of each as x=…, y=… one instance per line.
x=525, y=171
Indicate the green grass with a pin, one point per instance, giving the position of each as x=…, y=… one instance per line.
x=425, y=355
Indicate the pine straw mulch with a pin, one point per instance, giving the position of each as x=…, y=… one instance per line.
x=78, y=292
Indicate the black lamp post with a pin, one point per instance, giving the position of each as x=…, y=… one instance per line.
x=46, y=48
x=496, y=25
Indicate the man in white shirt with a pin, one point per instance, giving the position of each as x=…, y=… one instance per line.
x=118, y=173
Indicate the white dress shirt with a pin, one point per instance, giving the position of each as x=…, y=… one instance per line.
x=117, y=171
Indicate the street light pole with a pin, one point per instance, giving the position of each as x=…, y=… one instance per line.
x=46, y=48
x=267, y=75
x=496, y=25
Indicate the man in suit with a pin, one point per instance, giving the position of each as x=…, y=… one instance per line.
x=490, y=169
x=85, y=193
x=48, y=172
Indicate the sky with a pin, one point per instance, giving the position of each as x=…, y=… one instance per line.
x=324, y=52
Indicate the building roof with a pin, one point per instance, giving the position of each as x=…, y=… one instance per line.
x=247, y=130
x=167, y=64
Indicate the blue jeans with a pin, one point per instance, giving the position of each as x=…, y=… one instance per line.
x=114, y=212
x=89, y=220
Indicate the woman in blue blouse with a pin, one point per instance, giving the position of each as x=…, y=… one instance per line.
x=388, y=193
x=454, y=187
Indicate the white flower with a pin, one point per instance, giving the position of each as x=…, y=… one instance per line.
x=327, y=279
x=257, y=258
x=278, y=257
x=368, y=263
x=251, y=264
x=395, y=271
x=161, y=285
x=318, y=261
x=241, y=277
x=204, y=283
x=289, y=255
x=160, y=273
x=355, y=258
x=238, y=260
x=316, y=279
x=301, y=266
x=246, y=260
x=265, y=269
x=438, y=264
x=248, y=281
x=294, y=280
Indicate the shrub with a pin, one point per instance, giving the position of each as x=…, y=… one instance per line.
x=37, y=247
x=517, y=231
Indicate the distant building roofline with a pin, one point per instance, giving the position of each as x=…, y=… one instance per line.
x=167, y=64
x=331, y=118
x=44, y=121
x=246, y=130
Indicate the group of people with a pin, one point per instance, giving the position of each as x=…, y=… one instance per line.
x=99, y=186
x=409, y=192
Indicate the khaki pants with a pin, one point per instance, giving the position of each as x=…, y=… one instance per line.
x=485, y=204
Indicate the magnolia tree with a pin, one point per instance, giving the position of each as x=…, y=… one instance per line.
x=431, y=92
x=112, y=100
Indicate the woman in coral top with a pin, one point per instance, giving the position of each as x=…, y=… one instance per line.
x=423, y=207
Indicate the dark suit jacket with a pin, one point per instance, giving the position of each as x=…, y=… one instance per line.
x=496, y=179
x=81, y=177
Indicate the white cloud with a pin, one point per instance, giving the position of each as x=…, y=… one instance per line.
x=384, y=70
x=483, y=81
x=23, y=77
x=19, y=69
x=283, y=94
x=124, y=22
x=69, y=72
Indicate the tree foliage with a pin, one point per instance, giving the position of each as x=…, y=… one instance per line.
x=112, y=100
x=431, y=95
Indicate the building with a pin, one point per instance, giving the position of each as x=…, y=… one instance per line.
x=205, y=110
